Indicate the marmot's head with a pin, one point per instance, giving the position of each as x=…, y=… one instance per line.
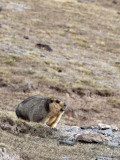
x=57, y=105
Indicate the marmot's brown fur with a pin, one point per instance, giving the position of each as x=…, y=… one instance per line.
x=38, y=109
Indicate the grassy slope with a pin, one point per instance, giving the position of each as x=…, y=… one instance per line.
x=85, y=38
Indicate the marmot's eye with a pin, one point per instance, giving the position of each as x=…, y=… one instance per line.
x=65, y=105
x=51, y=101
x=57, y=101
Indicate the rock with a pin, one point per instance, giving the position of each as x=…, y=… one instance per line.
x=91, y=138
x=66, y=157
x=115, y=139
x=90, y=127
x=91, y=134
x=114, y=128
x=80, y=1
x=105, y=158
x=67, y=142
x=107, y=132
x=117, y=62
x=69, y=132
x=113, y=144
x=114, y=2
x=45, y=46
x=26, y=37
x=4, y=155
x=104, y=126
x=74, y=129
x=59, y=70
x=0, y=8
x=19, y=7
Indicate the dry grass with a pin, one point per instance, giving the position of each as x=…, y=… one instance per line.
x=85, y=45
x=84, y=64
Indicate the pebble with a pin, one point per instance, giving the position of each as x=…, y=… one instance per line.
x=66, y=142
x=105, y=158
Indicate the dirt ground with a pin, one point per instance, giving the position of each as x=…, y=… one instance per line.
x=79, y=61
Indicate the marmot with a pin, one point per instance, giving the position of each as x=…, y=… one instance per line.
x=39, y=109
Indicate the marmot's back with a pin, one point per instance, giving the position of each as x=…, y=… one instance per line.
x=34, y=108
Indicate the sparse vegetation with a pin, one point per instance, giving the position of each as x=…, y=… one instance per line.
x=2, y=145
x=115, y=102
x=83, y=68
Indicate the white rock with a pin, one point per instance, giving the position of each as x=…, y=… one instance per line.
x=104, y=126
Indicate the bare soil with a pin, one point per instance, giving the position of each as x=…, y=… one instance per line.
x=80, y=64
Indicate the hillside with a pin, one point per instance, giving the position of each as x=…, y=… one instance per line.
x=64, y=48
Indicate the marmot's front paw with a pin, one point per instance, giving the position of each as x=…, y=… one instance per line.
x=54, y=129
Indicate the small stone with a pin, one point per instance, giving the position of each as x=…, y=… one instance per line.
x=90, y=127
x=67, y=142
x=0, y=8
x=26, y=37
x=114, y=128
x=114, y=2
x=59, y=70
x=104, y=126
x=91, y=138
x=73, y=128
x=80, y=1
x=4, y=155
x=45, y=46
x=117, y=62
x=65, y=157
x=107, y=132
x=105, y=158
x=113, y=144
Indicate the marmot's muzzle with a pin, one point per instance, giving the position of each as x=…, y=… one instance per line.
x=64, y=108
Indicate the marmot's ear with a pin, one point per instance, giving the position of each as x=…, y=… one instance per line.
x=47, y=105
x=51, y=100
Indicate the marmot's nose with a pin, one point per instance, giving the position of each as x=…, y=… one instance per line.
x=64, y=108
